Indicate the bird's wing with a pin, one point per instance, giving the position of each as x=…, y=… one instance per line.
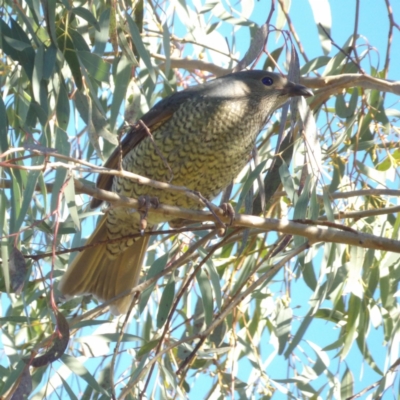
x=153, y=119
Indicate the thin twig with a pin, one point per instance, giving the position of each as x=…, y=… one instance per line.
x=178, y=297
x=121, y=334
x=293, y=31
x=325, y=223
x=176, y=231
x=7, y=184
x=221, y=316
x=341, y=50
x=375, y=384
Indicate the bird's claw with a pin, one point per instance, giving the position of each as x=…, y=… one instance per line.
x=145, y=202
x=228, y=211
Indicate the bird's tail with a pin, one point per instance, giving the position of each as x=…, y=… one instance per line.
x=94, y=272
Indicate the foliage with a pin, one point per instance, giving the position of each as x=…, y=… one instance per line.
x=243, y=313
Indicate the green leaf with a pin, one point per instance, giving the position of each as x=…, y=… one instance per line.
x=33, y=177
x=353, y=101
x=392, y=112
x=158, y=265
x=122, y=77
x=101, y=37
x=4, y=240
x=13, y=376
x=206, y=296
x=208, y=6
x=259, y=36
x=38, y=74
x=271, y=60
x=66, y=45
x=146, y=348
x=314, y=64
x=249, y=182
x=69, y=194
x=347, y=385
x=166, y=302
x=334, y=66
x=34, y=6
x=25, y=57
x=3, y=127
x=243, y=276
x=341, y=108
x=198, y=321
x=299, y=334
x=43, y=190
x=167, y=48
x=328, y=206
x=287, y=182
x=218, y=334
x=78, y=40
x=143, y=53
x=96, y=67
x=17, y=44
x=62, y=106
x=281, y=18
x=79, y=369
x=67, y=388
x=82, y=105
x=283, y=326
x=310, y=133
x=309, y=274
x=63, y=147
x=18, y=319
x=300, y=208
x=100, y=124
x=86, y=15
x=49, y=62
x=367, y=356
x=16, y=199
x=322, y=359
x=322, y=16
x=215, y=281
x=50, y=13
x=372, y=173
x=329, y=315
x=353, y=316
x=110, y=337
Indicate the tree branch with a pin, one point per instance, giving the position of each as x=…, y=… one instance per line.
x=312, y=233
x=327, y=84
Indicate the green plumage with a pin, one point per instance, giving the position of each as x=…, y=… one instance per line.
x=205, y=135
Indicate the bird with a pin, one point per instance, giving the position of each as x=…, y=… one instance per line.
x=202, y=137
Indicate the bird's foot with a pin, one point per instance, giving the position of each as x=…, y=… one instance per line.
x=228, y=211
x=146, y=202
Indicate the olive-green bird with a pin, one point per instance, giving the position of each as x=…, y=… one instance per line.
x=206, y=134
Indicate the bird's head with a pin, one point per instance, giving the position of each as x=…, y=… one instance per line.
x=263, y=84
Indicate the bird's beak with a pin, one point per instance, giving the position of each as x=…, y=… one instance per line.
x=292, y=89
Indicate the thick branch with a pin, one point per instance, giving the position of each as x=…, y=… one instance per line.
x=326, y=84
x=335, y=83
x=314, y=234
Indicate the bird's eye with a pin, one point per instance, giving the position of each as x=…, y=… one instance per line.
x=267, y=81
